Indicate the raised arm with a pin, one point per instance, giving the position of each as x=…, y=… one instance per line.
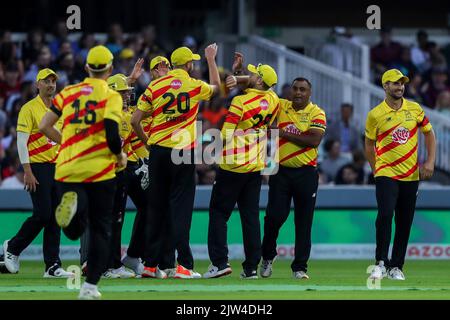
x=214, y=78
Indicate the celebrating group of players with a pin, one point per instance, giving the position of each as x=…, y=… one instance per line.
x=85, y=150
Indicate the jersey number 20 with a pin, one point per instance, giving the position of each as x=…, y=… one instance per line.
x=183, y=102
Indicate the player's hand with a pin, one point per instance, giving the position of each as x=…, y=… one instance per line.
x=426, y=170
x=137, y=71
x=238, y=61
x=30, y=182
x=211, y=51
x=231, y=82
x=121, y=160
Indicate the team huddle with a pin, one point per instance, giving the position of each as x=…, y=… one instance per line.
x=85, y=150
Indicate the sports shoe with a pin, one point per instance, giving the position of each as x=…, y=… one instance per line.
x=170, y=272
x=11, y=261
x=195, y=275
x=66, y=209
x=249, y=275
x=55, y=271
x=134, y=264
x=2, y=265
x=89, y=292
x=154, y=272
x=379, y=272
x=183, y=273
x=121, y=273
x=300, y=275
x=215, y=272
x=396, y=274
x=266, y=268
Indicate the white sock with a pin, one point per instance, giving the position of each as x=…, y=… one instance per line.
x=87, y=285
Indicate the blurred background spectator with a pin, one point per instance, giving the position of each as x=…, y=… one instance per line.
x=15, y=181
x=384, y=53
x=345, y=130
x=420, y=54
x=333, y=159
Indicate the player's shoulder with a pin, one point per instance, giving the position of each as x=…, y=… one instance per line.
x=112, y=94
x=72, y=88
x=28, y=106
x=238, y=99
x=377, y=111
x=162, y=81
x=316, y=109
x=273, y=95
x=284, y=103
x=413, y=105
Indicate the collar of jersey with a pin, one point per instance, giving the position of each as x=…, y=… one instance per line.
x=256, y=91
x=96, y=81
x=389, y=109
x=40, y=101
x=308, y=106
x=179, y=72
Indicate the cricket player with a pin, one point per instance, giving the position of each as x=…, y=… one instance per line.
x=301, y=126
x=89, y=153
x=239, y=177
x=392, y=132
x=173, y=102
x=137, y=178
x=37, y=154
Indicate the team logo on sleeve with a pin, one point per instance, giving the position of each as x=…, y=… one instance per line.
x=264, y=104
x=176, y=84
x=400, y=135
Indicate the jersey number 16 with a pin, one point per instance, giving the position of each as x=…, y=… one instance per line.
x=87, y=114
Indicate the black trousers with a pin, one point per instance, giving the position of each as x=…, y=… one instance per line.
x=120, y=203
x=45, y=200
x=301, y=185
x=170, y=204
x=95, y=204
x=128, y=184
x=399, y=196
x=139, y=198
x=231, y=188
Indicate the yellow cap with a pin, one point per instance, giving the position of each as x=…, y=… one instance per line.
x=126, y=53
x=157, y=60
x=99, y=58
x=182, y=56
x=118, y=82
x=44, y=73
x=266, y=72
x=393, y=75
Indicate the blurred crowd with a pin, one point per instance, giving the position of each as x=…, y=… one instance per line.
x=425, y=63
x=341, y=159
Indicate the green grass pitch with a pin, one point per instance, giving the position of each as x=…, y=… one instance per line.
x=328, y=280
